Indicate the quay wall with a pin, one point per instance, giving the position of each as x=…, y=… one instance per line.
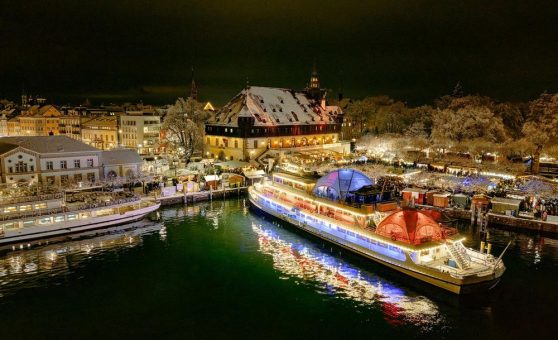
x=509, y=222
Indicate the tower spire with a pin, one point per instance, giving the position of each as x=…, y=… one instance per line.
x=314, y=80
x=313, y=88
x=193, y=88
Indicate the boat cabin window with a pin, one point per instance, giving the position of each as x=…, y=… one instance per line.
x=28, y=223
x=25, y=207
x=59, y=218
x=40, y=206
x=45, y=220
x=10, y=226
x=72, y=217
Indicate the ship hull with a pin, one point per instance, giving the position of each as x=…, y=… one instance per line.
x=448, y=283
x=67, y=227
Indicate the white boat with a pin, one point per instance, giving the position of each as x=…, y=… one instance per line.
x=41, y=216
x=337, y=208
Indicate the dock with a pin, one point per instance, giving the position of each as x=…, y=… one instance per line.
x=199, y=196
x=509, y=222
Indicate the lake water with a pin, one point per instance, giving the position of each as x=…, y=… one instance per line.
x=220, y=270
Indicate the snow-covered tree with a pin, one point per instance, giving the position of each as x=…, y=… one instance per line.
x=183, y=126
x=541, y=128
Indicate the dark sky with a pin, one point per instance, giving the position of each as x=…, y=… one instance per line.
x=116, y=50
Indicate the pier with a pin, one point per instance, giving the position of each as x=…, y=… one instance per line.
x=198, y=196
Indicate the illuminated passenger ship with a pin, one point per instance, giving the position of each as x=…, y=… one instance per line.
x=337, y=208
x=40, y=216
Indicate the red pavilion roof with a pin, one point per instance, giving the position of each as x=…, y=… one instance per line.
x=410, y=226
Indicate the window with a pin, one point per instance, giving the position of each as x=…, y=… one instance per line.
x=10, y=169
x=63, y=165
x=91, y=177
x=78, y=177
x=255, y=144
x=77, y=163
x=90, y=162
x=21, y=167
x=236, y=144
x=50, y=179
x=49, y=165
x=64, y=179
x=40, y=206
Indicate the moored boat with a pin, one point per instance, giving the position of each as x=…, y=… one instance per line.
x=339, y=208
x=41, y=216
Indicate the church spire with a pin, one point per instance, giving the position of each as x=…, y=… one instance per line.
x=313, y=88
x=314, y=80
x=193, y=88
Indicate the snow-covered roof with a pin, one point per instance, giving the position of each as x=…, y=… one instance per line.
x=48, y=144
x=272, y=106
x=120, y=156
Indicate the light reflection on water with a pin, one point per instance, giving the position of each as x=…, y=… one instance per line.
x=299, y=259
x=30, y=267
x=227, y=235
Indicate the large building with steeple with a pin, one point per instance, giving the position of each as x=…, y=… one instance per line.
x=264, y=120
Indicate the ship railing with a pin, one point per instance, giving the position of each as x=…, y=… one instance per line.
x=31, y=213
x=480, y=258
x=461, y=273
x=100, y=204
x=33, y=198
x=53, y=211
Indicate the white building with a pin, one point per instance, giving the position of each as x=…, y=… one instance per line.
x=120, y=163
x=140, y=130
x=48, y=159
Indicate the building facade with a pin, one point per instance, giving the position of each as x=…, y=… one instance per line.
x=100, y=132
x=3, y=125
x=70, y=125
x=260, y=119
x=40, y=121
x=120, y=163
x=140, y=130
x=56, y=160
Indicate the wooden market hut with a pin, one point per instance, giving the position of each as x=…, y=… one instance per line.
x=507, y=206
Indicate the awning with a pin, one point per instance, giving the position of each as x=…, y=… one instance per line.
x=253, y=174
x=210, y=178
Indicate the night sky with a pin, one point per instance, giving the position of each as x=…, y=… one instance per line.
x=115, y=50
